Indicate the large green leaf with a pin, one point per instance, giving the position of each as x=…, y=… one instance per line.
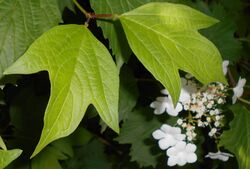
x=21, y=22
x=113, y=30
x=7, y=156
x=165, y=39
x=237, y=138
x=81, y=72
x=137, y=131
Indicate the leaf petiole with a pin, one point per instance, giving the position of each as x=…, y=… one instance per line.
x=87, y=14
x=244, y=100
x=90, y=15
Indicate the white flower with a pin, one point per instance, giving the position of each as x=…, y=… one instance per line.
x=238, y=89
x=220, y=101
x=200, y=123
x=219, y=155
x=181, y=154
x=212, y=112
x=216, y=123
x=179, y=122
x=187, y=88
x=218, y=117
x=184, y=125
x=165, y=91
x=168, y=136
x=216, y=111
x=174, y=111
x=212, y=132
x=165, y=104
x=225, y=64
x=160, y=105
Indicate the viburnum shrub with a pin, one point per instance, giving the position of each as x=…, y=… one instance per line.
x=107, y=84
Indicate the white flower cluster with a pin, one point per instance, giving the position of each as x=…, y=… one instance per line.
x=202, y=106
x=165, y=103
x=178, y=151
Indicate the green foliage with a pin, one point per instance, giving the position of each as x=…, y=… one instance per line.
x=137, y=131
x=237, y=138
x=222, y=34
x=128, y=93
x=48, y=158
x=66, y=3
x=7, y=156
x=89, y=156
x=21, y=23
x=113, y=30
x=164, y=37
x=58, y=71
x=2, y=145
x=79, y=74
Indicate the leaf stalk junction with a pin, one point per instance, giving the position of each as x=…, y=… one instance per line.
x=91, y=15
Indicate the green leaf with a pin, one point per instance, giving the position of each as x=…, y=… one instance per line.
x=81, y=72
x=128, y=93
x=66, y=3
x=2, y=145
x=165, y=39
x=113, y=30
x=48, y=158
x=80, y=137
x=7, y=156
x=64, y=145
x=89, y=156
x=237, y=138
x=21, y=22
x=60, y=150
x=137, y=131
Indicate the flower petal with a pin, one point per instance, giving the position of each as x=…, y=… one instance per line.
x=180, y=137
x=164, y=144
x=225, y=64
x=190, y=148
x=158, y=106
x=191, y=158
x=166, y=128
x=180, y=146
x=158, y=134
x=165, y=91
x=172, y=152
x=172, y=161
x=227, y=154
x=234, y=98
x=181, y=160
x=223, y=158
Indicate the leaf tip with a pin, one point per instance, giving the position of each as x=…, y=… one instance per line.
x=34, y=153
x=39, y=147
x=115, y=127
